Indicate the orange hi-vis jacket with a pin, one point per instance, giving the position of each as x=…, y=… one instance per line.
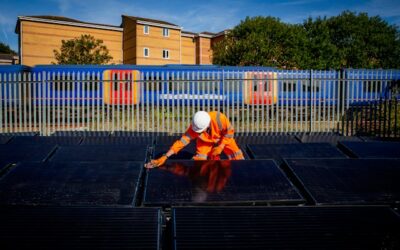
x=219, y=132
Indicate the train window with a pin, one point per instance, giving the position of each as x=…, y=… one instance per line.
x=289, y=86
x=372, y=86
x=307, y=88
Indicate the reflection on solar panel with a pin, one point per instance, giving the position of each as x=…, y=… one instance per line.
x=285, y=228
x=81, y=133
x=371, y=149
x=79, y=228
x=332, y=139
x=246, y=182
x=71, y=183
x=301, y=150
x=45, y=140
x=15, y=153
x=117, y=140
x=100, y=153
x=349, y=181
x=270, y=139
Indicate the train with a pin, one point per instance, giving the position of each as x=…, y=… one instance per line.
x=124, y=85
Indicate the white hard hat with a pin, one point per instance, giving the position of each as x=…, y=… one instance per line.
x=201, y=121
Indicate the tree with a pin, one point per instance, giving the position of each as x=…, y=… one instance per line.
x=5, y=49
x=364, y=42
x=261, y=41
x=83, y=50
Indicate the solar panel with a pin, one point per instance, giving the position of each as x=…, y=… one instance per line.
x=224, y=182
x=71, y=183
x=349, y=181
x=118, y=140
x=301, y=150
x=371, y=138
x=166, y=140
x=45, y=140
x=185, y=154
x=81, y=133
x=20, y=134
x=5, y=138
x=79, y=228
x=332, y=138
x=101, y=153
x=371, y=149
x=16, y=153
x=270, y=139
x=334, y=227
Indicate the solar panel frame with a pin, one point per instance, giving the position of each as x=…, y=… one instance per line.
x=304, y=227
x=371, y=149
x=100, y=153
x=80, y=228
x=196, y=183
x=118, y=140
x=72, y=184
x=280, y=151
x=352, y=186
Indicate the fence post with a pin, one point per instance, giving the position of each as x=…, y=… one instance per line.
x=311, y=100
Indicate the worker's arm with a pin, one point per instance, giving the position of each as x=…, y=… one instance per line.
x=182, y=142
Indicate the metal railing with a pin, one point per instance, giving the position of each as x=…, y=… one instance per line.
x=258, y=101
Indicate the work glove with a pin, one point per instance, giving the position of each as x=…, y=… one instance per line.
x=216, y=151
x=157, y=162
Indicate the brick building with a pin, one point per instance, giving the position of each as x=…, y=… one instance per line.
x=139, y=41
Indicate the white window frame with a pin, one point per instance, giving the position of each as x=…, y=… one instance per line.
x=144, y=52
x=144, y=29
x=165, y=32
x=165, y=52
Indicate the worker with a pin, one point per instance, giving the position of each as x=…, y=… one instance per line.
x=214, y=135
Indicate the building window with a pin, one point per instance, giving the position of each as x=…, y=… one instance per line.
x=146, y=29
x=165, y=54
x=165, y=32
x=146, y=52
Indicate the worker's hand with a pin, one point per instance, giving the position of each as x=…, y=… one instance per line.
x=157, y=162
x=216, y=151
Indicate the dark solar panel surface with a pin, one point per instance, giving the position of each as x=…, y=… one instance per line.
x=118, y=140
x=332, y=227
x=167, y=140
x=196, y=182
x=270, y=139
x=370, y=138
x=71, y=183
x=332, y=139
x=301, y=150
x=349, y=181
x=81, y=133
x=5, y=138
x=79, y=228
x=16, y=153
x=371, y=149
x=45, y=140
x=20, y=134
x=185, y=154
x=101, y=153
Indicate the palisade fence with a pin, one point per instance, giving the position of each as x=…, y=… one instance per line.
x=350, y=102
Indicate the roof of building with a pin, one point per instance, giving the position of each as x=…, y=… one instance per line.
x=64, y=20
x=154, y=21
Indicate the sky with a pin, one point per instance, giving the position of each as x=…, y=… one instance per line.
x=194, y=16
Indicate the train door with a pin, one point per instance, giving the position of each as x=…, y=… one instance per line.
x=121, y=87
x=260, y=88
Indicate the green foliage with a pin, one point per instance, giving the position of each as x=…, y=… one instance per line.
x=345, y=41
x=83, y=50
x=5, y=49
